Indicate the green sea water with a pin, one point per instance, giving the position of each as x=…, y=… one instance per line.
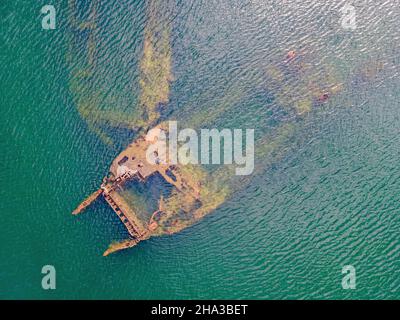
x=331, y=200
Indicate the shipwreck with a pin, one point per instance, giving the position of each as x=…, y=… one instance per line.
x=189, y=200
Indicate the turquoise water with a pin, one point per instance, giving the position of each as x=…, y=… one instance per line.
x=331, y=200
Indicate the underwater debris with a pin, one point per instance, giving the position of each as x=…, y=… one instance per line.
x=324, y=97
x=298, y=86
x=291, y=55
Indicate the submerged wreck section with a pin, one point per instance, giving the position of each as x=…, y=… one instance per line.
x=99, y=104
x=190, y=198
